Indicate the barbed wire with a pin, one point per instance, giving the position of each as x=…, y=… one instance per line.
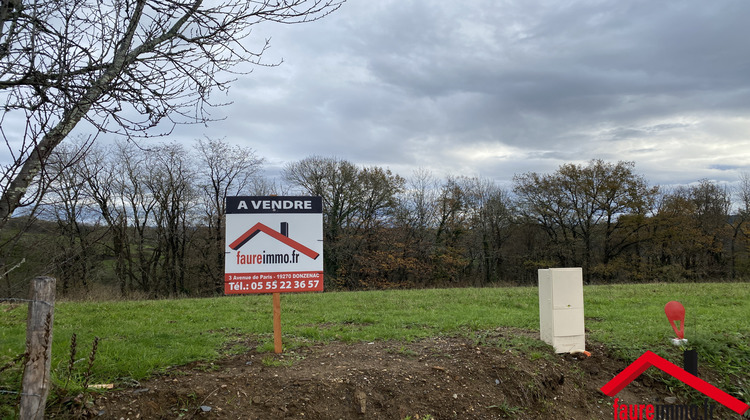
x=2, y=391
x=20, y=263
x=26, y=300
x=17, y=286
x=24, y=357
x=44, y=271
x=17, y=359
x=11, y=363
x=14, y=287
x=21, y=356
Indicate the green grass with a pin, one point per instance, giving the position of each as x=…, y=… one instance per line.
x=631, y=319
x=142, y=337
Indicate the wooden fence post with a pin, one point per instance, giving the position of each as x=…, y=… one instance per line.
x=36, y=374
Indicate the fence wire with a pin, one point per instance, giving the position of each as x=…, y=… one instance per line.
x=25, y=300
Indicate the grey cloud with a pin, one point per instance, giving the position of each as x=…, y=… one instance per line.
x=429, y=83
x=720, y=167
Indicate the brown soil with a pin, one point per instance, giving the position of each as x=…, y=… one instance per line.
x=437, y=378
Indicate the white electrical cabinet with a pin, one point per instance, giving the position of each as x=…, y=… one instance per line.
x=561, y=309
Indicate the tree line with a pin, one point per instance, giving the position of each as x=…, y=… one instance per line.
x=150, y=222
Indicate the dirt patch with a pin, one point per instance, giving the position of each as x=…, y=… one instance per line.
x=438, y=378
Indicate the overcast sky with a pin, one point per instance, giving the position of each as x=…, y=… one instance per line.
x=494, y=88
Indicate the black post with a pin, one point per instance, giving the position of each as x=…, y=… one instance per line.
x=690, y=361
x=284, y=229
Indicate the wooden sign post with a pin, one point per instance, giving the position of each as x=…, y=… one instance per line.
x=277, y=348
x=261, y=258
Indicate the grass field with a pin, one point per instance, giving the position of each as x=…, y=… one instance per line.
x=142, y=337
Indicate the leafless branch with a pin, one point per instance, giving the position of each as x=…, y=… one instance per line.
x=123, y=66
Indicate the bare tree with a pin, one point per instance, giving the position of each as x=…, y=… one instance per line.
x=169, y=180
x=712, y=212
x=743, y=193
x=418, y=201
x=124, y=66
x=738, y=221
x=491, y=223
x=355, y=203
x=575, y=201
x=137, y=207
x=333, y=179
x=67, y=202
x=103, y=173
x=225, y=171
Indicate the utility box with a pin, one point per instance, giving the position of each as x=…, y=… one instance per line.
x=561, y=309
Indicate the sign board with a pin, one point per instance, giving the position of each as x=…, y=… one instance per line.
x=273, y=245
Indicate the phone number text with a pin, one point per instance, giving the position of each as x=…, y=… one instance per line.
x=273, y=283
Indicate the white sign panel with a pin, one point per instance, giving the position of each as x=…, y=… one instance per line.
x=273, y=244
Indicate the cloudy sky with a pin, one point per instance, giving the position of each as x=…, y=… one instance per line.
x=493, y=88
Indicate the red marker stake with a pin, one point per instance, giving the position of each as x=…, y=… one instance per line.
x=676, y=312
